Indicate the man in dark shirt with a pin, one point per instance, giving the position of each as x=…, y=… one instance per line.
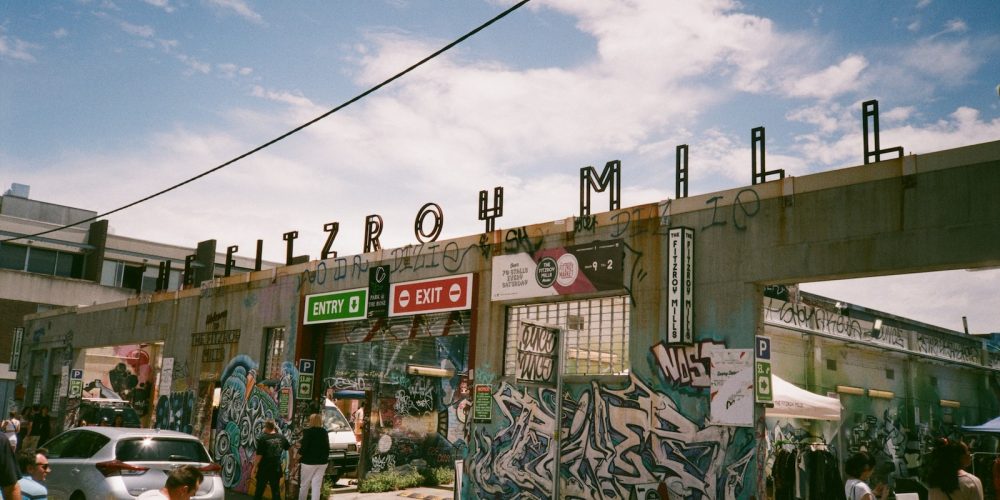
x=267, y=461
x=9, y=474
x=41, y=426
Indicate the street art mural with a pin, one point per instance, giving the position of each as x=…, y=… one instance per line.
x=619, y=442
x=175, y=411
x=245, y=404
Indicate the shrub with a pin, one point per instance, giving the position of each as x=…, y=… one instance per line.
x=389, y=481
x=438, y=476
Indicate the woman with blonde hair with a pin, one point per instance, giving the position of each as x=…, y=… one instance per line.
x=314, y=450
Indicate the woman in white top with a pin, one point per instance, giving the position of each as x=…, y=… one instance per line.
x=10, y=428
x=946, y=478
x=859, y=468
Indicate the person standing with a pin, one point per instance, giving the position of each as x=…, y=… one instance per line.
x=40, y=428
x=859, y=469
x=946, y=478
x=11, y=427
x=267, y=461
x=35, y=468
x=9, y=474
x=182, y=484
x=314, y=450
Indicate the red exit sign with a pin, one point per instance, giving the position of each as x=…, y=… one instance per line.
x=452, y=293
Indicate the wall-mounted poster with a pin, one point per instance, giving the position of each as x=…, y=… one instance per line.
x=732, y=387
x=587, y=268
x=537, y=353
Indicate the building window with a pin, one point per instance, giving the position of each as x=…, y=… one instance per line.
x=42, y=261
x=831, y=364
x=596, y=333
x=274, y=352
x=13, y=257
x=111, y=273
x=890, y=373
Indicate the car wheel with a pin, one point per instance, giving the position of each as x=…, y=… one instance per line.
x=77, y=496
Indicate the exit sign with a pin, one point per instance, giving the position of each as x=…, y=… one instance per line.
x=331, y=307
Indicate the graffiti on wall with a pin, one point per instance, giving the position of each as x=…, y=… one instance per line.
x=686, y=365
x=175, y=411
x=245, y=404
x=620, y=442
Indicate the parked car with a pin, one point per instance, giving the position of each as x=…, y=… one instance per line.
x=343, y=443
x=94, y=410
x=121, y=463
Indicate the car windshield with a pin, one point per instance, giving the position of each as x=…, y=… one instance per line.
x=161, y=450
x=334, y=420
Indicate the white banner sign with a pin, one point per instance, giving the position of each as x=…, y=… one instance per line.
x=732, y=387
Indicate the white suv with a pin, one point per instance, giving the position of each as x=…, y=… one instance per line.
x=122, y=463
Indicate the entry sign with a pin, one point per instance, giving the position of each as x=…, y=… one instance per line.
x=331, y=307
x=763, y=384
x=451, y=293
x=482, y=407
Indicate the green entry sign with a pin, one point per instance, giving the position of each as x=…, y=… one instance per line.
x=331, y=307
x=482, y=405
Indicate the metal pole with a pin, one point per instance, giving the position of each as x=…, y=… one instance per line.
x=559, y=404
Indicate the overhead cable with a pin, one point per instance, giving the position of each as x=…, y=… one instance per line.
x=290, y=132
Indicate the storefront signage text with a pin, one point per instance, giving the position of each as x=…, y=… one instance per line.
x=215, y=338
x=451, y=293
x=537, y=353
x=588, y=268
x=482, y=408
x=332, y=307
x=680, y=286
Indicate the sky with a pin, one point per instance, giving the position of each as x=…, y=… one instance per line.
x=103, y=102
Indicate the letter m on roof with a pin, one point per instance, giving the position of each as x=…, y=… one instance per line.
x=611, y=177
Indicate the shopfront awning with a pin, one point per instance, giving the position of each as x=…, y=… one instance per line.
x=993, y=426
x=793, y=402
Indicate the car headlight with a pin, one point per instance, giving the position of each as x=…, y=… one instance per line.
x=352, y=447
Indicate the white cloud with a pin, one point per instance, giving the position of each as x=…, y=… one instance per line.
x=898, y=114
x=162, y=4
x=923, y=3
x=238, y=7
x=194, y=65
x=60, y=33
x=15, y=48
x=830, y=82
x=230, y=70
x=945, y=62
x=142, y=31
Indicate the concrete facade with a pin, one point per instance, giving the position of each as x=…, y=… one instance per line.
x=636, y=410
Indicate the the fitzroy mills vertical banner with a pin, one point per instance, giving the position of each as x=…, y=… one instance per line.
x=680, y=285
x=537, y=353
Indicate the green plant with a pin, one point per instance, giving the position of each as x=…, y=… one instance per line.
x=438, y=476
x=389, y=481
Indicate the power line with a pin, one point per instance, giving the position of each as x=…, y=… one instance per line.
x=292, y=131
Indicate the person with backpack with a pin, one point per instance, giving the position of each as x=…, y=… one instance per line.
x=267, y=461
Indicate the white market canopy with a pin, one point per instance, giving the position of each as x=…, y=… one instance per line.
x=992, y=426
x=793, y=402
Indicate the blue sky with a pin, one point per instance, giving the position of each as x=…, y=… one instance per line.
x=104, y=102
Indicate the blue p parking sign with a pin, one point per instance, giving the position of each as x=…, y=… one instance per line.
x=763, y=347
